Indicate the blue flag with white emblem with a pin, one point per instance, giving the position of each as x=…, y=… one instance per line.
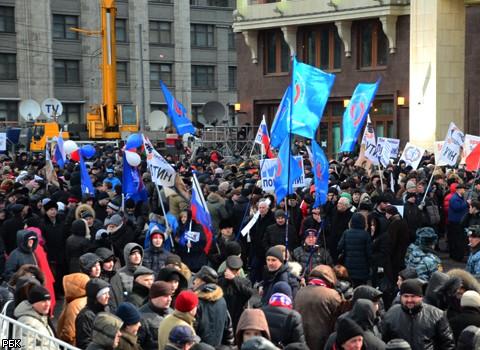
x=356, y=113
x=288, y=170
x=310, y=90
x=281, y=124
x=320, y=171
x=178, y=113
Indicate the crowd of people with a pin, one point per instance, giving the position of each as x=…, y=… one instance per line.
x=359, y=271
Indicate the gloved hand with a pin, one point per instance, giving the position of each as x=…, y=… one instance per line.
x=422, y=205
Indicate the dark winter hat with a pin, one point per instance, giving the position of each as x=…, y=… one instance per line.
x=276, y=253
x=96, y=287
x=258, y=343
x=182, y=335
x=105, y=254
x=398, y=344
x=226, y=223
x=280, y=214
x=348, y=329
x=130, y=203
x=365, y=206
x=87, y=214
x=282, y=287
x=16, y=208
x=87, y=262
x=412, y=286
x=160, y=289
x=49, y=205
x=79, y=227
x=186, y=301
x=207, y=275
x=114, y=205
x=474, y=231
x=233, y=248
x=234, y=262
x=410, y=195
x=102, y=195
x=142, y=270
x=38, y=293
x=408, y=273
x=426, y=236
x=173, y=259
x=367, y=292
x=128, y=313
x=296, y=346
x=205, y=346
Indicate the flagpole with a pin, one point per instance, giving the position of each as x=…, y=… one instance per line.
x=167, y=224
x=429, y=183
x=470, y=191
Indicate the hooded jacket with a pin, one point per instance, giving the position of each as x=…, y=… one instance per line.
x=105, y=329
x=319, y=306
x=197, y=257
x=214, y=325
x=77, y=244
x=85, y=318
x=75, y=300
x=27, y=315
x=126, y=272
x=251, y=319
x=23, y=255
x=154, y=257
x=217, y=209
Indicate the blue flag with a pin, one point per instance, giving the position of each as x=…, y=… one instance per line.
x=178, y=113
x=60, y=154
x=132, y=182
x=320, y=171
x=86, y=182
x=356, y=113
x=288, y=170
x=200, y=212
x=311, y=88
x=281, y=124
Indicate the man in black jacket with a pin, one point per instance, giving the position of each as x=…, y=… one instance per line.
x=423, y=326
x=97, y=301
x=214, y=325
x=153, y=313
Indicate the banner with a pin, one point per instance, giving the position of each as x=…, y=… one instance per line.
x=355, y=113
x=385, y=154
x=269, y=168
x=162, y=172
x=454, y=140
x=311, y=88
x=320, y=171
x=437, y=146
x=288, y=170
x=370, y=143
x=412, y=155
x=394, y=146
x=471, y=141
x=178, y=113
x=200, y=212
x=3, y=141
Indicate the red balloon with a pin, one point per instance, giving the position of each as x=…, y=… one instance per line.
x=75, y=155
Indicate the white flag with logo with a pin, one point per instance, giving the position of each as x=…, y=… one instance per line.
x=162, y=172
x=370, y=143
x=452, y=144
x=412, y=155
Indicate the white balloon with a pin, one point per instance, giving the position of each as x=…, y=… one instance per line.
x=133, y=158
x=70, y=146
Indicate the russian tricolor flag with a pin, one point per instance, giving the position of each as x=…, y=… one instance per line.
x=200, y=212
x=263, y=138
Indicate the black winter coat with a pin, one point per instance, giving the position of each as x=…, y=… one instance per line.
x=9, y=232
x=358, y=253
x=469, y=316
x=424, y=328
x=275, y=235
x=196, y=257
x=139, y=294
x=336, y=226
x=151, y=319
x=55, y=238
x=120, y=239
x=214, y=325
x=285, y=325
x=116, y=288
x=84, y=323
x=257, y=233
x=75, y=247
x=398, y=231
x=282, y=274
x=319, y=257
x=236, y=292
x=154, y=258
x=23, y=255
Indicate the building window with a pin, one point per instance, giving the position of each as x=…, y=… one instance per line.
x=373, y=45
x=203, y=76
x=232, y=78
x=323, y=47
x=161, y=72
x=232, y=39
x=122, y=73
x=7, y=19
x=277, y=53
x=162, y=1
x=8, y=66
x=202, y=35
x=62, y=25
x=72, y=113
x=8, y=111
x=160, y=32
x=197, y=116
x=121, y=30
x=67, y=72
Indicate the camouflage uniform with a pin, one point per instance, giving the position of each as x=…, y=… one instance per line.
x=423, y=260
x=473, y=263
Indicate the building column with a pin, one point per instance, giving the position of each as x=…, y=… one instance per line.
x=437, y=61
x=183, y=57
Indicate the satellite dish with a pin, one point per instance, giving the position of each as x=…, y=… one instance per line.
x=213, y=111
x=157, y=120
x=51, y=107
x=30, y=110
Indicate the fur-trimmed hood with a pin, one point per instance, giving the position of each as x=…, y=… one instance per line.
x=81, y=208
x=215, y=198
x=295, y=268
x=27, y=270
x=469, y=282
x=209, y=292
